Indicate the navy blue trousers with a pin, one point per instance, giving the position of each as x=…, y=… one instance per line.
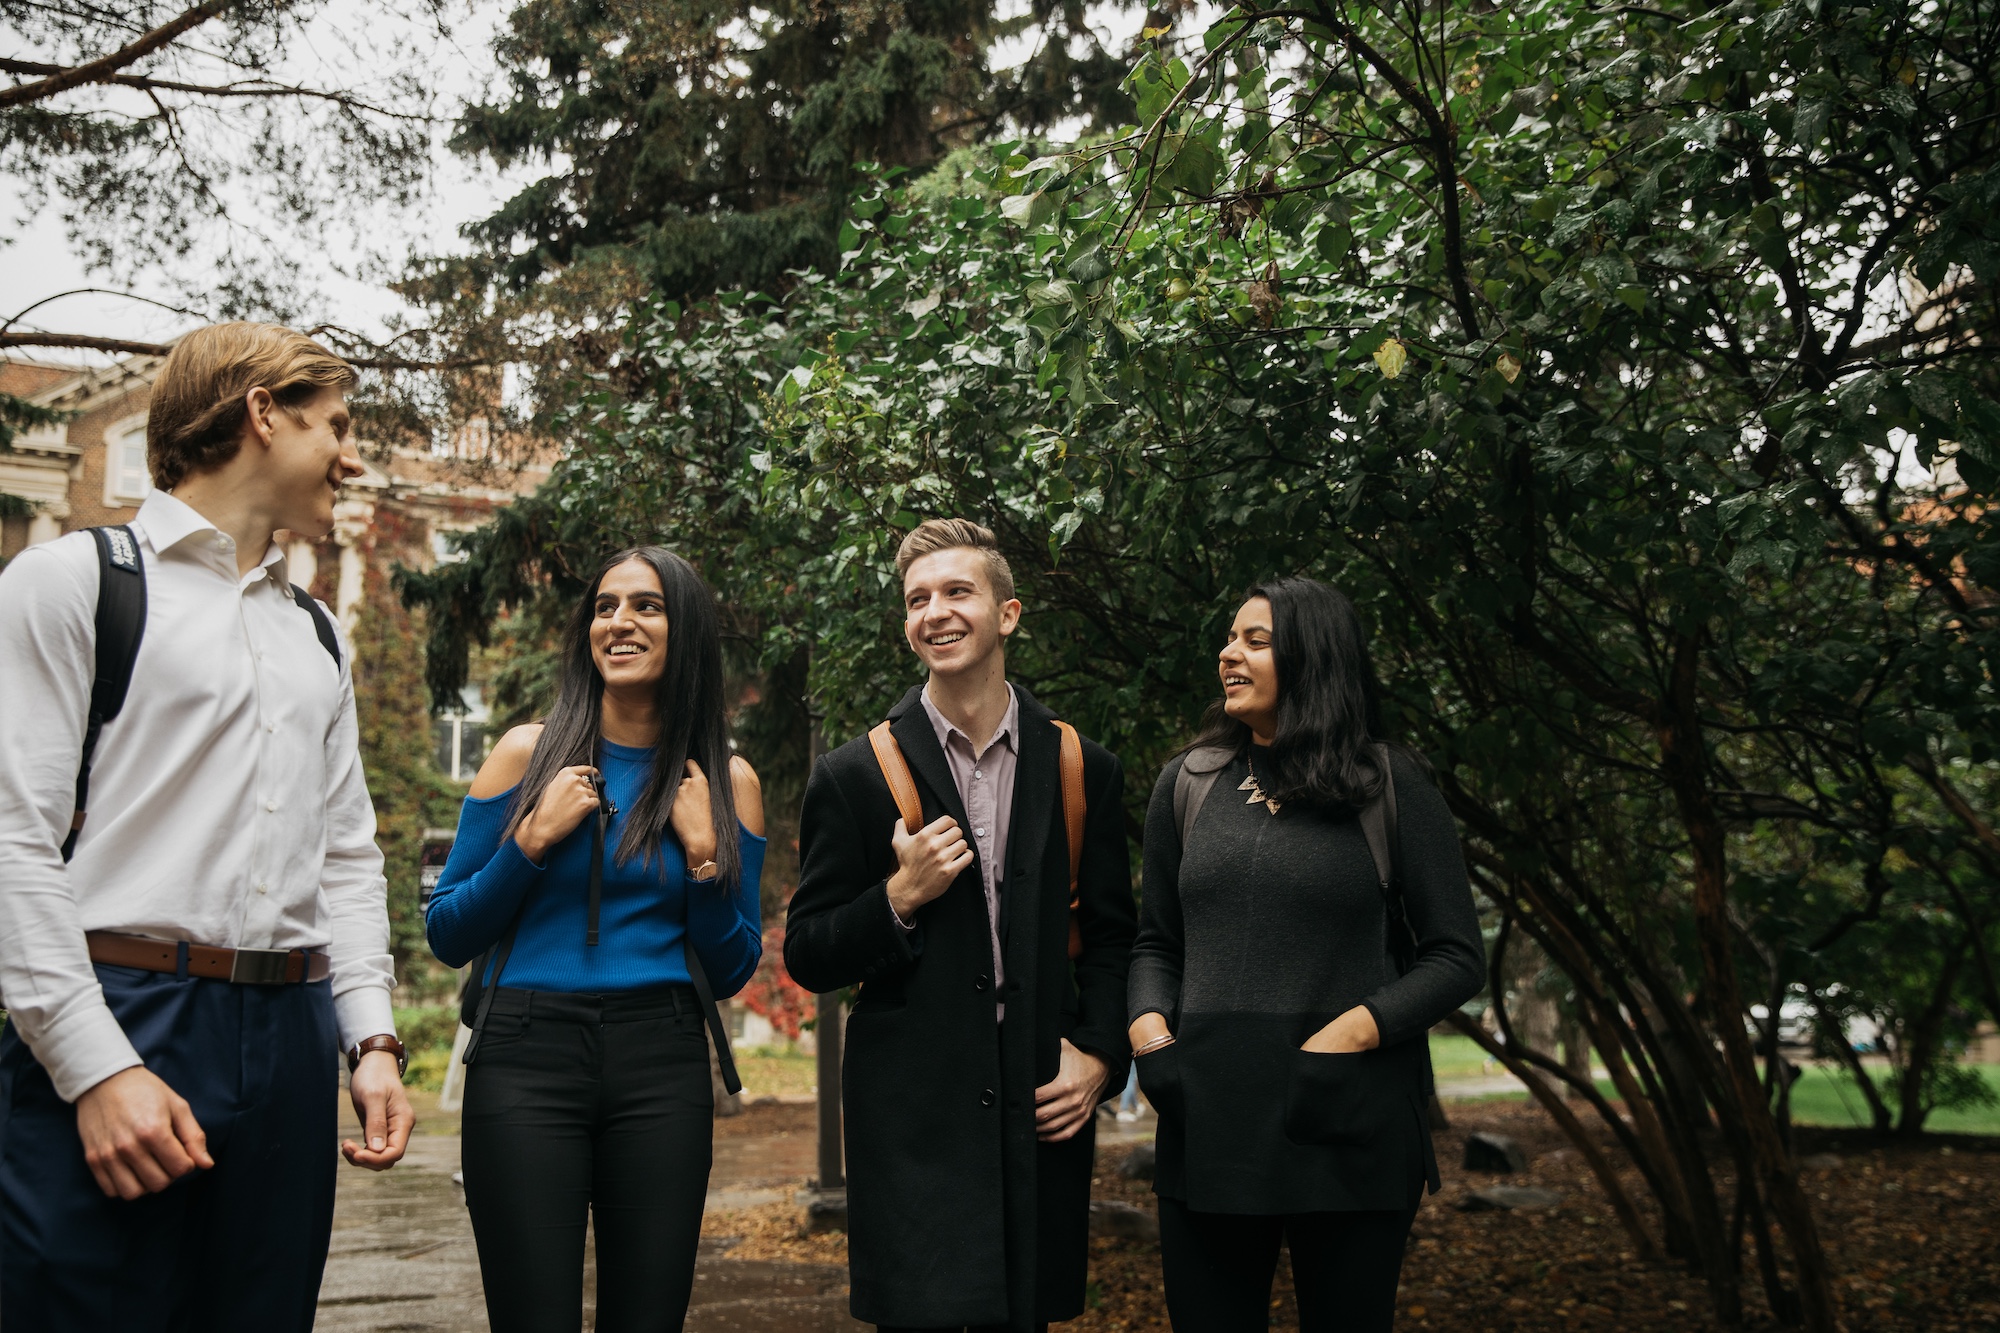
x=241, y=1246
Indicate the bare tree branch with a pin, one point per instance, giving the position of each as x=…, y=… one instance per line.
x=130, y=347
x=242, y=88
x=104, y=68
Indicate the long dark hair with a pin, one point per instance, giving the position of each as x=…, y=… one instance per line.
x=693, y=724
x=1329, y=706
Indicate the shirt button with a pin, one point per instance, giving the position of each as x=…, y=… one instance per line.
x=263, y=888
x=272, y=806
x=977, y=774
x=979, y=832
x=270, y=726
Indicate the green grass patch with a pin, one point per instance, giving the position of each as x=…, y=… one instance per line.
x=1825, y=1096
x=427, y=1032
x=1460, y=1058
x=777, y=1071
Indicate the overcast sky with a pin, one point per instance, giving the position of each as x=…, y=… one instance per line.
x=40, y=262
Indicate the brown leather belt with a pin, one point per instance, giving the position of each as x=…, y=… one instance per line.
x=250, y=967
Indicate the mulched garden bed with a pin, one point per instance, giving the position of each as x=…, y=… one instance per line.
x=1911, y=1229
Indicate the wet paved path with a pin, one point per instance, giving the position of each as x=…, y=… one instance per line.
x=403, y=1260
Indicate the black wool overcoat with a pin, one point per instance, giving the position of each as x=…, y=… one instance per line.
x=956, y=1213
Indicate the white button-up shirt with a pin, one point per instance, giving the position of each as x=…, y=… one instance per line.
x=227, y=802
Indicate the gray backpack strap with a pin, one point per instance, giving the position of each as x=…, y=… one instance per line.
x=1198, y=773
x=1378, y=824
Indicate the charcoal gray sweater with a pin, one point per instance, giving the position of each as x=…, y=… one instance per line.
x=1262, y=931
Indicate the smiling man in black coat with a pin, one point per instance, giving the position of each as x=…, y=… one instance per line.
x=979, y=1048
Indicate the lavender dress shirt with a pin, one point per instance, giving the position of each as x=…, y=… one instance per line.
x=984, y=777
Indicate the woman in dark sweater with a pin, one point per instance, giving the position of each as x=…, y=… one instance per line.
x=597, y=868
x=1278, y=1036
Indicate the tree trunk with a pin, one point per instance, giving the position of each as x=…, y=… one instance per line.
x=1600, y=1165
x=1834, y=1035
x=1920, y=1047
x=1682, y=752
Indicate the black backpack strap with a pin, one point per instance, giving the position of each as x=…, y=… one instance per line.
x=321, y=625
x=724, y=1057
x=598, y=820
x=498, y=955
x=120, y=625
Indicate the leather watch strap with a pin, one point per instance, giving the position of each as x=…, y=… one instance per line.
x=380, y=1042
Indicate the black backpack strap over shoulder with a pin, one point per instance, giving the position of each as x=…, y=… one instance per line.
x=321, y=625
x=119, y=625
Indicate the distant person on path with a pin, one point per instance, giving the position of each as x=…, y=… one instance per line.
x=183, y=969
x=981, y=1044
x=1280, y=1006
x=603, y=882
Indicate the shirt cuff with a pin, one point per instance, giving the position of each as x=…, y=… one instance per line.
x=83, y=1049
x=905, y=926
x=362, y=1013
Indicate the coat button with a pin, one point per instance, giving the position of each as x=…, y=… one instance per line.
x=987, y=1098
x=981, y=982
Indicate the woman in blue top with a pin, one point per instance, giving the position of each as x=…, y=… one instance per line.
x=588, y=1089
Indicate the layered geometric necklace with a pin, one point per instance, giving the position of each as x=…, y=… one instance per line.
x=1256, y=791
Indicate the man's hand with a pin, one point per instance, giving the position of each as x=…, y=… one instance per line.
x=1065, y=1105
x=139, y=1135
x=1353, y=1031
x=927, y=863
x=383, y=1109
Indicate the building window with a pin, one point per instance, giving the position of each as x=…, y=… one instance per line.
x=460, y=736
x=126, y=481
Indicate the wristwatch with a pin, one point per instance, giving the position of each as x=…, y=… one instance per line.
x=381, y=1042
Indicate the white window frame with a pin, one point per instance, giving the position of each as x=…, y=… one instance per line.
x=119, y=437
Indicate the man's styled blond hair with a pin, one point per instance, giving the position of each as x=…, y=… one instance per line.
x=196, y=418
x=950, y=534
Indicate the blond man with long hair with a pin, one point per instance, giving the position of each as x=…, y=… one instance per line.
x=186, y=954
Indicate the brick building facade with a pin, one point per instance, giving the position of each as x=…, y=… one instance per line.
x=91, y=469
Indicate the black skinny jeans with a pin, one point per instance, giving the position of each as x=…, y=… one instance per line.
x=593, y=1106
x=1219, y=1266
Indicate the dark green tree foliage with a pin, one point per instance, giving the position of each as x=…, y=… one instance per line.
x=709, y=145
x=1624, y=366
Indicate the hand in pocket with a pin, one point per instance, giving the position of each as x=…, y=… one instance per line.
x=1160, y=1078
x=1340, y=1099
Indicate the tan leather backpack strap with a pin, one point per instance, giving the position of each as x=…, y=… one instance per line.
x=896, y=770
x=1075, y=807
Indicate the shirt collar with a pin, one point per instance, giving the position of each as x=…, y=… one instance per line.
x=1010, y=724
x=169, y=521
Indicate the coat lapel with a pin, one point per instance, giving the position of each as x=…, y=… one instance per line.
x=911, y=726
x=1036, y=779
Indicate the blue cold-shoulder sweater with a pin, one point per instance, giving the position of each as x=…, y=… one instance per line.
x=645, y=913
